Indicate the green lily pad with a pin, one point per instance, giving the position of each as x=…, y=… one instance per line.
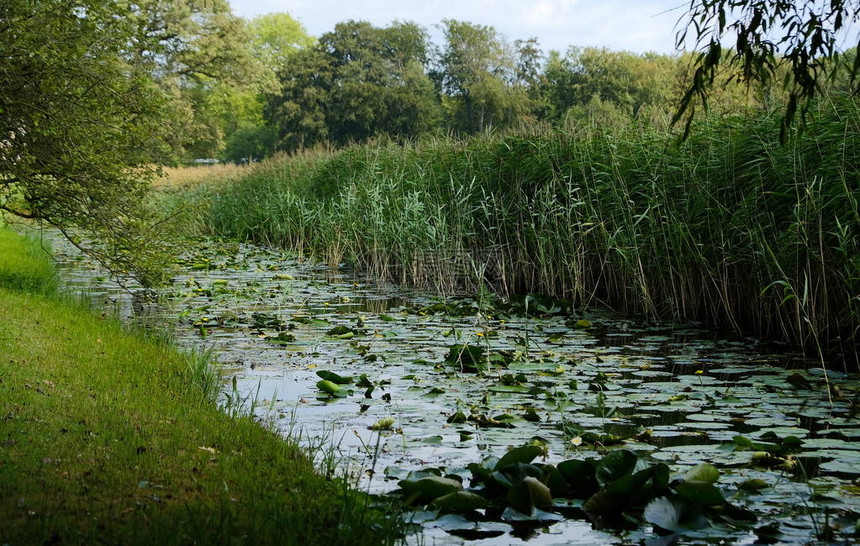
x=704, y=473
x=528, y=494
x=615, y=465
x=460, y=501
x=702, y=493
x=333, y=377
x=426, y=490
x=332, y=388
x=523, y=454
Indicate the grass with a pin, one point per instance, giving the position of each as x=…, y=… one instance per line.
x=25, y=265
x=730, y=228
x=109, y=437
x=191, y=176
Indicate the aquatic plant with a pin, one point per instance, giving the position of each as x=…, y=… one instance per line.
x=730, y=227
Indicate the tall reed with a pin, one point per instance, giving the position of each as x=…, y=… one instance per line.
x=730, y=227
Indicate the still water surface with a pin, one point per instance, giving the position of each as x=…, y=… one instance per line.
x=580, y=382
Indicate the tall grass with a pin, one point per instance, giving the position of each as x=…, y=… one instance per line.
x=729, y=227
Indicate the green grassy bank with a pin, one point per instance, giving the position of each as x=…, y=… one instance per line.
x=108, y=437
x=731, y=227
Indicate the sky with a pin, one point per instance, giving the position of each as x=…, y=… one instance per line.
x=629, y=25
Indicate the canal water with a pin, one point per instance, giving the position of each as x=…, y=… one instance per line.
x=379, y=382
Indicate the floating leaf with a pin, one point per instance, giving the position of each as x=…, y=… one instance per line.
x=523, y=454
x=753, y=484
x=580, y=477
x=704, y=472
x=460, y=501
x=528, y=494
x=427, y=489
x=798, y=381
x=702, y=493
x=457, y=417
x=554, y=480
x=615, y=465
x=364, y=382
x=331, y=388
x=531, y=415
x=334, y=378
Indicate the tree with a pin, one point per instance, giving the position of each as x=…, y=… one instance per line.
x=768, y=34
x=78, y=123
x=191, y=48
x=593, y=80
x=274, y=39
x=483, y=78
x=298, y=110
x=359, y=82
x=92, y=94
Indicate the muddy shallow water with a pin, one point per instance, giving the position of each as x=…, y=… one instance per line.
x=463, y=379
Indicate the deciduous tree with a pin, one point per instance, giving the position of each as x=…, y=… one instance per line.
x=359, y=82
x=92, y=93
x=482, y=77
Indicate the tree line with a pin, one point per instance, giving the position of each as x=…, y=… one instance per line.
x=361, y=82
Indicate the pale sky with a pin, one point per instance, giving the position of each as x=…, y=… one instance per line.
x=629, y=25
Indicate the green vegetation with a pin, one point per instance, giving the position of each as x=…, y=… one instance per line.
x=621, y=490
x=173, y=82
x=112, y=438
x=731, y=227
x=26, y=265
x=135, y=71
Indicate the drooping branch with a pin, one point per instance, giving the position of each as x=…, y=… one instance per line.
x=804, y=37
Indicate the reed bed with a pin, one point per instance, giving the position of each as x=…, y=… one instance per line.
x=729, y=227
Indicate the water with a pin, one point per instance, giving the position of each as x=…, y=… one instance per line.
x=580, y=383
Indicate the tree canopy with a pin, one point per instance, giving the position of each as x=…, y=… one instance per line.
x=358, y=82
x=93, y=93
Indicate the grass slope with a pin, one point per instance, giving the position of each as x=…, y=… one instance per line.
x=104, y=437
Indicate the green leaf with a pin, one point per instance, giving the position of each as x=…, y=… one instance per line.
x=580, y=477
x=460, y=501
x=331, y=388
x=334, y=378
x=703, y=473
x=615, y=465
x=522, y=454
x=753, y=484
x=528, y=494
x=427, y=489
x=701, y=493
x=554, y=480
